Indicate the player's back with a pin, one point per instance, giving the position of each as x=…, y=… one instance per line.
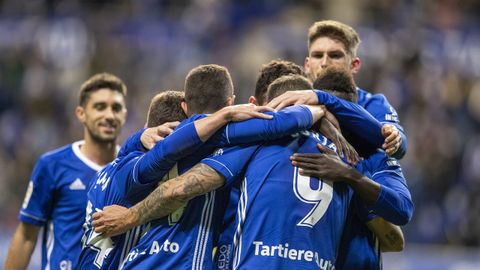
x=183, y=239
x=56, y=199
x=110, y=186
x=286, y=220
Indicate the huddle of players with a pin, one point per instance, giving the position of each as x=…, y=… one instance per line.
x=249, y=184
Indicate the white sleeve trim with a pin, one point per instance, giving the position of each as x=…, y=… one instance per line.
x=223, y=165
x=32, y=216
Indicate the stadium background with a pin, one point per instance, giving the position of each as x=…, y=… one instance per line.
x=423, y=55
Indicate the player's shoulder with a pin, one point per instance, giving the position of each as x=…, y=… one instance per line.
x=365, y=98
x=191, y=119
x=56, y=155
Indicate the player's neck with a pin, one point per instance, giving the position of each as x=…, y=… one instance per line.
x=99, y=152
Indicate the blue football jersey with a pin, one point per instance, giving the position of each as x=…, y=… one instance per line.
x=360, y=248
x=129, y=179
x=284, y=220
x=126, y=181
x=56, y=200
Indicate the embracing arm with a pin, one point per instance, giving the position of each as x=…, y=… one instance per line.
x=284, y=122
x=350, y=115
x=174, y=193
x=389, y=198
x=165, y=199
x=187, y=139
x=388, y=201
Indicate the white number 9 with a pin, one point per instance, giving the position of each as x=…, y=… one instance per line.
x=320, y=197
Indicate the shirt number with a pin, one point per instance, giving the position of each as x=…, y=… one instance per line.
x=320, y=197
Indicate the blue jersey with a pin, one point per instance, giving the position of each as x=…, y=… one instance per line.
x=379, y=107
x=56, y=200
x=284, y=220
x=360, y=248
x=126, y=181
x=132, y=176
x=185, y=239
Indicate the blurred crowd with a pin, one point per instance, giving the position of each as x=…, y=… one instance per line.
x=423, y=55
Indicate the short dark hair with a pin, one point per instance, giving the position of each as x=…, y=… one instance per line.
x=338, y=81
x=207, y=88
x=101, y=81
x=287, y=83
x=166, y=107
x=272, y=71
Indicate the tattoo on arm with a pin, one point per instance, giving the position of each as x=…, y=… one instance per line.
x=174, y=193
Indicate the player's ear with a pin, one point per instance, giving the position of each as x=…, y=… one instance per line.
x=356, y=64
x=184, y=107
x=252, y=100
x=306, y=65
x=80, y=113
x=231, y=100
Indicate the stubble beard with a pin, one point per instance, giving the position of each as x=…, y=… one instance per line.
x=97, y=138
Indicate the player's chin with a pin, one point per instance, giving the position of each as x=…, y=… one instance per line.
x=107, y=136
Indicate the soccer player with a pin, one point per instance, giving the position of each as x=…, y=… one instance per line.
x=255, y=248
x=199, y=221
x=278, y=209
x=269, y=73
x=56, y=195
x=331, y=43
x=328, y=125
x=358, y=237
x=128, y=180
x=367, y=234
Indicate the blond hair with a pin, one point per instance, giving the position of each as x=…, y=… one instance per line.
x=337, y=31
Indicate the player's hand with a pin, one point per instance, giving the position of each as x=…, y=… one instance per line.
x=344, y=148
x=307, y=97
x=244, y=112
x=113, y=220
x=152, y=135
x=326, y=165
x=318, y=112
x=393, y=139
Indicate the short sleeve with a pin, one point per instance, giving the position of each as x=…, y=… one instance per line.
x=37, y=205
x=231, y=162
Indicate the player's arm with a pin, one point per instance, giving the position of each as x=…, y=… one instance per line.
x=392, y=202
x=284, y=122
x=186, y=140
x=208, y=175
x=165, y=199
x=350, y=115
x=36, y=209
x=389, y=235
x=22, y=246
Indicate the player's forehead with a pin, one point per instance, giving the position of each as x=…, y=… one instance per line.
x=326, y=44
x=105, y=95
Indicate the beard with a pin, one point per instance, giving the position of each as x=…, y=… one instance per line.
x=99, y=138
